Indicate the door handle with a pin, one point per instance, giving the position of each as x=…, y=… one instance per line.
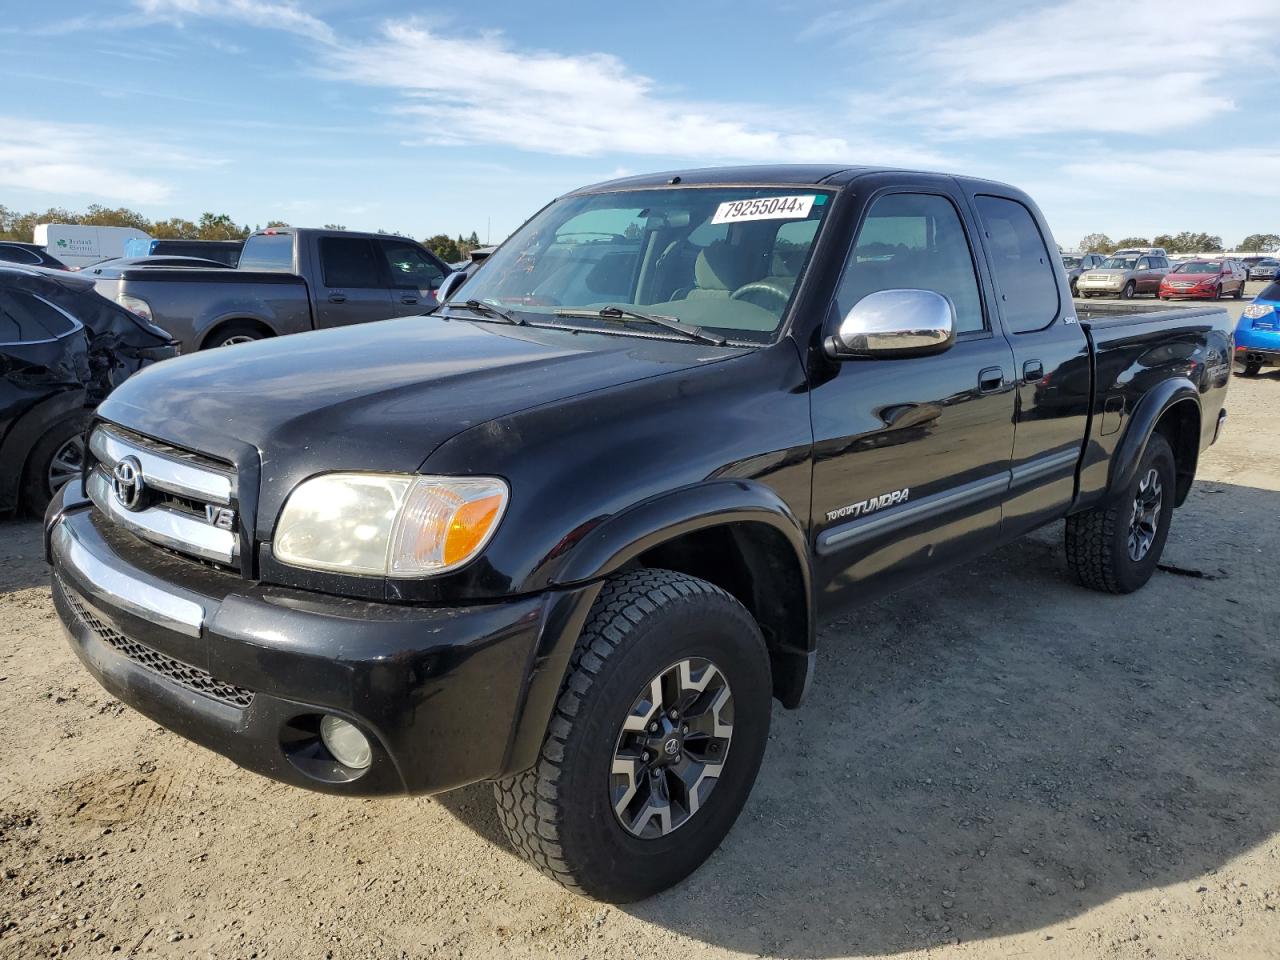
x=1032, y=371
x=991, y=379
x=408, y=299
x=337, y=298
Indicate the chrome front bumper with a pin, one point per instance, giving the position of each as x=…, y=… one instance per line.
x=109, y=585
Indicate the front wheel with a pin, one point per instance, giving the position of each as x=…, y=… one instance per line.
x=654, y=743
x=1116, y=547
x=57, y=457
x=1129, y=290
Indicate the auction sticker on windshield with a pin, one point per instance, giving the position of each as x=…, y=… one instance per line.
x=764, y=208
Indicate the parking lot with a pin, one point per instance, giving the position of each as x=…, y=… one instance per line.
x=994, y=763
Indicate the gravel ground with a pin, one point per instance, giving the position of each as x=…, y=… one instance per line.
x=993, y=763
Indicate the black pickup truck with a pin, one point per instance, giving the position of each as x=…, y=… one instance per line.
x=573, y=533
x=287, y=280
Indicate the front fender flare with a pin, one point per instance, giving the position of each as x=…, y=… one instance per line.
x=1142, y=423
x=612, y=544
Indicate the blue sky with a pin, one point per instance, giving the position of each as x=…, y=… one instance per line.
x=1130, y=118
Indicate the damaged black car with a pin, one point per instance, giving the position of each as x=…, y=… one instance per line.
x=63, y=348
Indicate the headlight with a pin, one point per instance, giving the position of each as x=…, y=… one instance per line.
x=392, y=525
x=1255, y=310
x=136, y=305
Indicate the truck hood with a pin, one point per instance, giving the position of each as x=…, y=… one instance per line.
x=379, y=396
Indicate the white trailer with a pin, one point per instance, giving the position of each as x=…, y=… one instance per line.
x=79, y=246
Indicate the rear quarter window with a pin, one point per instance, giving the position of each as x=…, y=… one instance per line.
x=25, y=318
x=1024, y=274
x=272, y=252
x=17, y=254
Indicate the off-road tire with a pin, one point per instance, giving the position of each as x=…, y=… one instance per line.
x=558, y=815
x=1097, y=539
x=36, y=491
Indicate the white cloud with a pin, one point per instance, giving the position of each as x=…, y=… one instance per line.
x=69, y=159
x=1234, y=171
x=482, y=90
x=284, y=15
x=1142, y=67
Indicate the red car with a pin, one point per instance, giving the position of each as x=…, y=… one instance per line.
x=1209, y=279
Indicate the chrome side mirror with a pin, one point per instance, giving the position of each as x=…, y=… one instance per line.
x=449, y=284
x=895, y=323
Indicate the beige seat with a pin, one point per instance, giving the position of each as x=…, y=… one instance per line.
x=718, y=271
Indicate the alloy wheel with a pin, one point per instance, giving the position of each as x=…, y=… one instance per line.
x=1145, y=518
x=672, y=748
x=66, y=463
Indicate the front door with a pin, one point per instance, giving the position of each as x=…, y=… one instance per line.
x=412, y=275
x=352, y=288
x=911, y=456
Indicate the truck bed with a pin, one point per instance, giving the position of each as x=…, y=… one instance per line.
x=1094, y=313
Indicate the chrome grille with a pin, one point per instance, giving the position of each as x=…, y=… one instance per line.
x=177, y=492
x=193, y=678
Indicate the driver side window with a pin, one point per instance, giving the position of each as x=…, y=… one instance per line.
x=914, y=241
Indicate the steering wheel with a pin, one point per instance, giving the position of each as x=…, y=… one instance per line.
x=744, y=292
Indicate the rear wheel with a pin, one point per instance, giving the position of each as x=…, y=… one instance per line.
x=56, y=458
x=1129, y=289
x=1239, y=294
x=1116, y=547
x=654, y=743
x=238, y=331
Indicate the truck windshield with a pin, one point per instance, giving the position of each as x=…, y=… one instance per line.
x=1119, y=263
x=726, y=259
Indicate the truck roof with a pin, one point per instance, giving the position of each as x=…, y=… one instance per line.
x=772, y=174
x=304, y=231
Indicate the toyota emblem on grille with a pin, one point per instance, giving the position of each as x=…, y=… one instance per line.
x=126, y=483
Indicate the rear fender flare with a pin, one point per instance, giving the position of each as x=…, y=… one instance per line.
x=1142, y=424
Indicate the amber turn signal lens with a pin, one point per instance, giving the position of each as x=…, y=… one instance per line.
x=469, y=526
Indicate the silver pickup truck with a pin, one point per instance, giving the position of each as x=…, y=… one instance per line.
x=288, y=280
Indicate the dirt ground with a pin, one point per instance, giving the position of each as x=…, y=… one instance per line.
x=995, y=763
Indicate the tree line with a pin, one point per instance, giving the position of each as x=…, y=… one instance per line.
x=210, y=226
x=1185, y=242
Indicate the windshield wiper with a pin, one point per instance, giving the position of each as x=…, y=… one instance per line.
x=488, y=310
x=690, y=330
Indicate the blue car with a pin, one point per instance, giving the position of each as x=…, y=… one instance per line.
x=1258, y=332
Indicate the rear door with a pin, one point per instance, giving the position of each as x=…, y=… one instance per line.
x=351, y=288
x=911, y=455
x=1051, y=359
x=1144, y=276
x=413, y=275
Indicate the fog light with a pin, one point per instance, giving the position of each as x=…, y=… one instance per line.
x=348, y=745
